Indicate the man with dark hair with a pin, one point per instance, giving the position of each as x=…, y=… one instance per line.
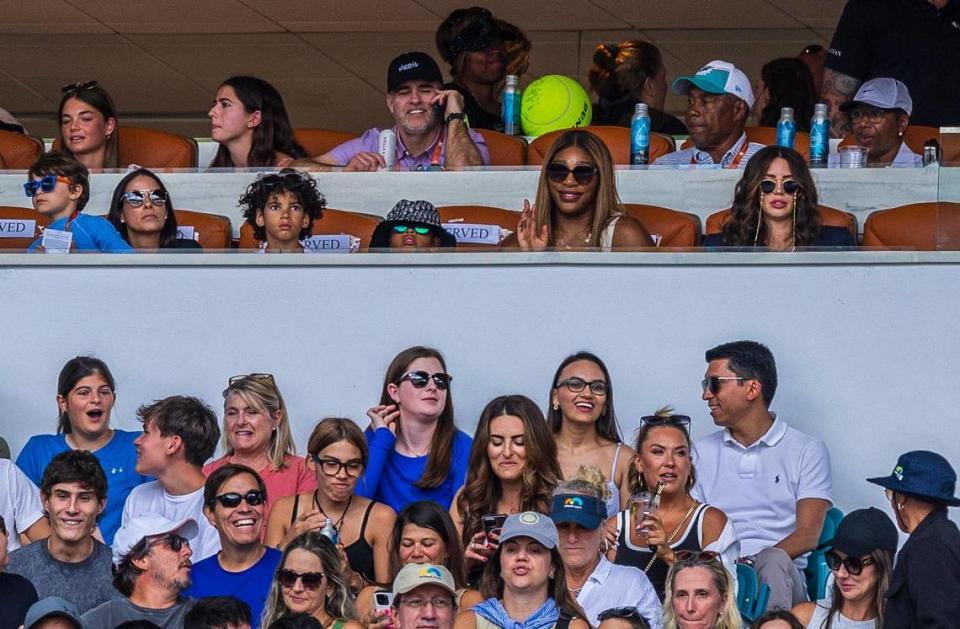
x=179, y=434
x=70, y=563
x=771, y=480
x=151, y=568
x=218, y=612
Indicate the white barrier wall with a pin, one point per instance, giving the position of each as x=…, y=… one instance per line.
x=866, y=343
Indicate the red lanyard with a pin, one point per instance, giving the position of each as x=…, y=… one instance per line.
x=736, y=160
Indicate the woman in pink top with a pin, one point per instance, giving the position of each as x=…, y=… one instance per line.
x=256, y=433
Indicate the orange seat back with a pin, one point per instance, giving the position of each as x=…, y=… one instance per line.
x=320, y=141
x=617, y=140
x=768, y=137
x=828, y=216
x=26, y=237
x=924, y=226
x=212, y=231
x=675, y=228
x=151, y=148
x=505, y=150
x=331, y=222
x=480, y=215
x=18, y=151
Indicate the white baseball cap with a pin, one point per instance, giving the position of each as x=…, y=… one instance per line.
x=148, y=525
x=717, y=77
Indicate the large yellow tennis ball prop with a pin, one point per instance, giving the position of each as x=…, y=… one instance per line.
x=554, y=102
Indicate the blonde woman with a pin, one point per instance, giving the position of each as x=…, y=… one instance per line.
x=256, y=433
x=700, y=594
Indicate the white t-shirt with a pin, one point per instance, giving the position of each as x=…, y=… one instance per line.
x=20, y=503
x=758, y=486
x=152, y=498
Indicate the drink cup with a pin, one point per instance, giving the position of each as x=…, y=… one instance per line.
x=853, y=157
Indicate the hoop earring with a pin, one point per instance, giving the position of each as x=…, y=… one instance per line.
x=756, y=236
x=556, y=406
x=795, y=220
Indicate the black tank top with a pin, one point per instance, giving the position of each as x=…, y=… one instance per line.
x=639, y=556
x=359, y=553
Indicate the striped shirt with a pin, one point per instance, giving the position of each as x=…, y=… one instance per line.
x=693, y=155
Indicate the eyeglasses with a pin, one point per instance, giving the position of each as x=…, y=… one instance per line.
x=73, y=88
x=438, y=602
x=332, y=467
x=888, y=493
x=174, y=541
x=402, y=229
x=310, y=580
x=419, y=379
x=697, y=556
x=872, y=115
x=769, y=185
x=47, y=184
x=135, y=198
x=576, y=385
x=232, y=499
x=558, y=172
x=665, y=420
x=854, y=565
x=712, y=384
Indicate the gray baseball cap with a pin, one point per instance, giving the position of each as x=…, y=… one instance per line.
x=52, y=606
x=530, y=524
x=884, y=93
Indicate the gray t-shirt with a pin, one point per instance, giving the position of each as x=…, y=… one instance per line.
x=86, y=583
x=114, y=612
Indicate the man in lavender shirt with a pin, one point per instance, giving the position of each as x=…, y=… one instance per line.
x=432, y=132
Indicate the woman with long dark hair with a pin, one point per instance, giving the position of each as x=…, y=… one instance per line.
x=249, y=121
x=416, y=451
x=785, y=82
x=142, y=212
x=775, y=206
x=577, y=204
x=89, y=129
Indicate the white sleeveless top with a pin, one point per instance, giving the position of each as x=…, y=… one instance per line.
x=613, y=503
x=606, y=242
x=819, y=619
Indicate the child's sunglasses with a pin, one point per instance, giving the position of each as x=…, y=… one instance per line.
x=402, y=229
x=47, y=184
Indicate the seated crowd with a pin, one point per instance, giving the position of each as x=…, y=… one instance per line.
x=435, y=127
x=539, y=520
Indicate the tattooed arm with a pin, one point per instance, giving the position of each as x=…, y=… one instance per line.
x=837, y=89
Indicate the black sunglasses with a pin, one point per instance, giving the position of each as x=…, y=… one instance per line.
x=419, y=379
x=712, y=384
x=232, y=499
x=174, y=541
x=73, y=88
x=697, y=556
x=789, y=186
x=576, y=385
x=854, y=565
x=558, y=172
x=310, y=580
x=668, y=420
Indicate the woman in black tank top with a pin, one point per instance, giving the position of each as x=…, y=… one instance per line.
x=681, y=523
x=337, y=455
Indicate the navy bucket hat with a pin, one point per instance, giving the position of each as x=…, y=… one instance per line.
x=925, y=474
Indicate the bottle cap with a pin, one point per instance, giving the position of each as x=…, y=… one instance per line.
x=512, y=79
x=641, y=108
x=820, y=108
x=786, y=112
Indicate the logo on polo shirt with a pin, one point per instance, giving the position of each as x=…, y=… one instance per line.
x=573, y=503
x=431, y=572
x=898, y=472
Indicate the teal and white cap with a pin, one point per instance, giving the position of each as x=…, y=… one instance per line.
x=717, y=77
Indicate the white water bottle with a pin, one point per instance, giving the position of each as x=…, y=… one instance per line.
x=388, y=148
x=640, y=136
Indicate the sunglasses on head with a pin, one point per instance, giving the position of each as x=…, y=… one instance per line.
x=419, y=379
x=769, y=185
x=232, y=499
x=310, y=580
x=576, y=385
x=135, y=198
x=174, y=541
x=712, y=384
x=697, y=556
x=558, y=172
x=854, y=565
x=47, y=184
x=668, y=420
x=402, y=229
x=263, y=377
x=73, y=88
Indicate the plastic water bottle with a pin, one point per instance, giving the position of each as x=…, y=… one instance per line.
x=388, y=148
x=640, y=136
x=330, y=531
x=510, y=105
x=786, y=128
x=819, y=136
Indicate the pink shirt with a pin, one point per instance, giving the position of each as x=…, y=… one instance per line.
x=294, y=478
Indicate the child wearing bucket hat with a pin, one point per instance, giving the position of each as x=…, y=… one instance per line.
x=411, y=225
x=861, y=558
x=925, y=588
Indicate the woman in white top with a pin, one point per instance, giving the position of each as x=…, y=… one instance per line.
x=584, y=424
x=861, y=558
x=577, y=204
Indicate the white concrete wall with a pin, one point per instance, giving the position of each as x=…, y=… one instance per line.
x=866, y=343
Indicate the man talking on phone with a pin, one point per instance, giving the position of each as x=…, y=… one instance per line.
x=431, y=129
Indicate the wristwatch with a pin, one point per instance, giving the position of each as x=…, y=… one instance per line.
x=458, y=116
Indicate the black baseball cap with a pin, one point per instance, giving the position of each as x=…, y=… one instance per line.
x=412, y=66
x=863, y=531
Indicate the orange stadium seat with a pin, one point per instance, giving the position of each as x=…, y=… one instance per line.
x=924, y=226
x=480, y=215
x=674, y=228
x=505, y=150
x=8, y=228
x=332, y=222
x=828, y=216
x=18, y=151
x=768, y=137
x=320, y=141
x=617, y=140
x=154, y=149
x=212, y=231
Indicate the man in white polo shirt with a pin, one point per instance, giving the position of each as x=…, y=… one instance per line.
x=771, y=480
